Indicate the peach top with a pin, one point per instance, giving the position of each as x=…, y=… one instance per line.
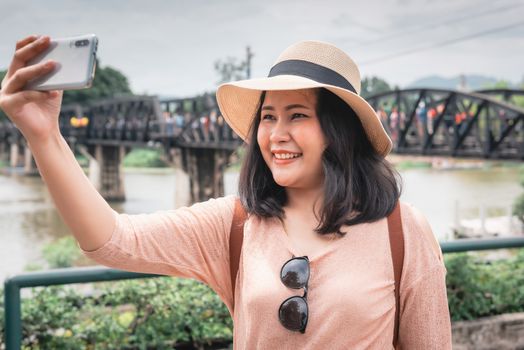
x=351, y=288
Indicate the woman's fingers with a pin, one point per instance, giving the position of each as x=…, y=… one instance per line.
x=25, y=41
x=22, y=75
x=27, y=49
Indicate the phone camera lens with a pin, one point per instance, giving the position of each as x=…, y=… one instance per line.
x=81, y=43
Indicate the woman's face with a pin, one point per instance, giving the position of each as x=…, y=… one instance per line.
x=291, y=139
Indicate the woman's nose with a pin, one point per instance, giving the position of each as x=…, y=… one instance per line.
x=279, y=132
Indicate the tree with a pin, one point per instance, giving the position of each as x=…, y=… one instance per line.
x=374, y=85
x=501, y=84
x=517, y=100
x=108, y=82
x=230, y=69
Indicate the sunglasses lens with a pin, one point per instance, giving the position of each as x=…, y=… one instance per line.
x=295, y=273
x=293, y=314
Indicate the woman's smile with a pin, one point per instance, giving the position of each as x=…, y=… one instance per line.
x=283, y=157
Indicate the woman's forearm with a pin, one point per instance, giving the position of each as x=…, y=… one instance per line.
x=82, y=208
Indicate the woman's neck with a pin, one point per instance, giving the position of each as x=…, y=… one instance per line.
x=305, y=201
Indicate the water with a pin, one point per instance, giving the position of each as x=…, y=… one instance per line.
x=437, y=193
x=28, y=219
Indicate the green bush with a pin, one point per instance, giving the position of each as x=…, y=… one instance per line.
x=47, y=317
x=144, y=158
x=158, y=313
x=518, y=208
x=478, y=288
x=62, y=253
x=466, y=285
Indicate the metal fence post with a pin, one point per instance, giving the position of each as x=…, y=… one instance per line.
x=13, y=315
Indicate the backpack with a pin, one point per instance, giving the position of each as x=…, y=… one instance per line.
x=396, y=241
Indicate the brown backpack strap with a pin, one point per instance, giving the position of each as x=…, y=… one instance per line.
x=236, y=238
x=396, y=243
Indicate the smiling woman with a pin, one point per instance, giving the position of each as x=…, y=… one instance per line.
x=322, y=208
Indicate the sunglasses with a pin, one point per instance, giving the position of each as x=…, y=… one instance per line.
x=293, y=312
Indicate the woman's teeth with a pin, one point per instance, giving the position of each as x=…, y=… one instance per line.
x=287, y=155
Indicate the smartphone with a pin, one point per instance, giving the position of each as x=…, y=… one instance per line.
x=75, y=59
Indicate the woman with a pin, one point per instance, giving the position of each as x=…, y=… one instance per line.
x=321, y=201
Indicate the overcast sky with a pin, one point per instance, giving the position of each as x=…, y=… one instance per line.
x=169, y=47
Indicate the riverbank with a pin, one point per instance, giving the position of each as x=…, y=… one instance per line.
x=404, y=162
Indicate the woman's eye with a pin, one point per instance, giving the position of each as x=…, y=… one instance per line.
x=298, y=115
x=267, y=116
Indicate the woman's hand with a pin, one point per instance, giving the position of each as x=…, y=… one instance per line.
x=35, y=113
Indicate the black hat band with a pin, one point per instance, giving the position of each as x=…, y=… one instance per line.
x=311, y=71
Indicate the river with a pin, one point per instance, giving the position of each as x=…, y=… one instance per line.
x=28, y=219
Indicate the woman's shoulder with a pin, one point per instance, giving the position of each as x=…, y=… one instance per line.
x=417, y=227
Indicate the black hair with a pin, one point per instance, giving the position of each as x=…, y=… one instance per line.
x=360, y=185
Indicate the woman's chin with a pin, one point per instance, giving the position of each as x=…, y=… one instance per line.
x=284, y=182
x=296, y=183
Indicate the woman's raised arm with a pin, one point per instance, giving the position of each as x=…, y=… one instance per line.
x=35, y=114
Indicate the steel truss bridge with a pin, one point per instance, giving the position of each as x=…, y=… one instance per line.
x=483, y=124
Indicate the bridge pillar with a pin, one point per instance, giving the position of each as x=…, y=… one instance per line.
x=4, y=154
x=110, y=180
x=29, y=162
x=16, y=159
x=205, y=168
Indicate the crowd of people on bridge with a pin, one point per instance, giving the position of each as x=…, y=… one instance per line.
x=425, y=119
x=204, y=127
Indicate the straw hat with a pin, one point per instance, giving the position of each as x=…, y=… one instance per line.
x=304, y=65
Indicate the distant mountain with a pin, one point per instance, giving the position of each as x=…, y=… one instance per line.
x=473, y=82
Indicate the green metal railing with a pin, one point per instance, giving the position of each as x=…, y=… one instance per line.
x=465, y=245
x=12, y=286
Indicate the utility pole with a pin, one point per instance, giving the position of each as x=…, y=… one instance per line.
x=249, y=55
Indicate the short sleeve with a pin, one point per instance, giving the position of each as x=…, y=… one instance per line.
x=190, y=242
x=424, y=320
x=424, y=313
